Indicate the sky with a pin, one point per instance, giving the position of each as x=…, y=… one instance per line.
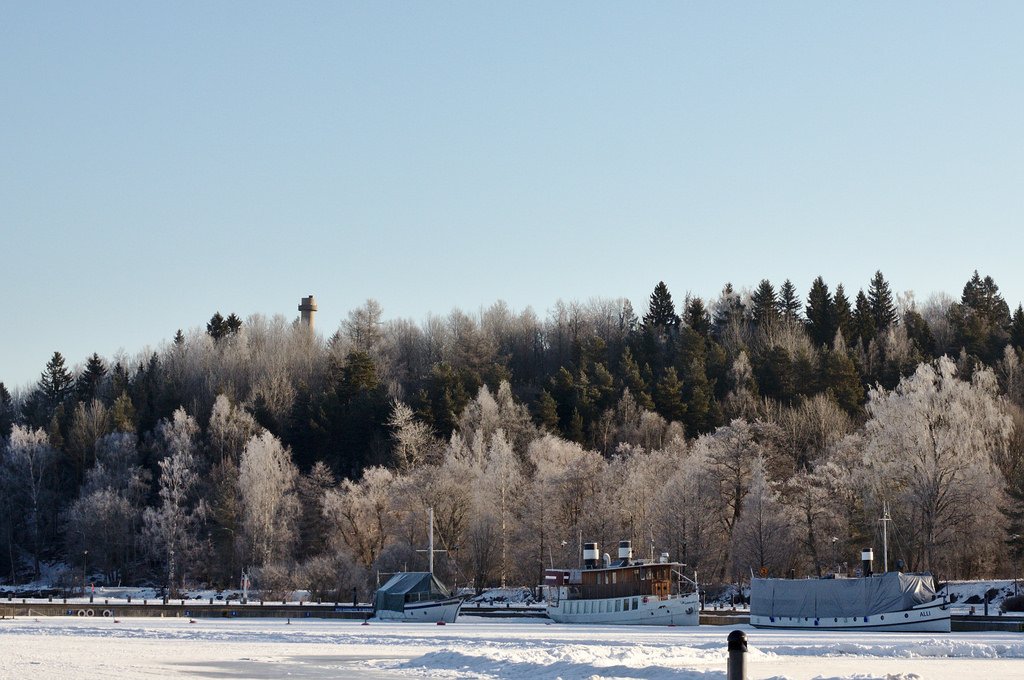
x=163, y=161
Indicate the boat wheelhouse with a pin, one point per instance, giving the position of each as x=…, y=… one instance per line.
x=625, y=592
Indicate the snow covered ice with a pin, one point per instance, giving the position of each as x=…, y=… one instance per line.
x=62, y=647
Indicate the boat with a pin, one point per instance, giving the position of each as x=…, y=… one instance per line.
x=416, y=595
x=628, y=591
x=886, y=602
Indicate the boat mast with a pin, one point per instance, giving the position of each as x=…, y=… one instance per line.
x=430, y=549
x=885, y=534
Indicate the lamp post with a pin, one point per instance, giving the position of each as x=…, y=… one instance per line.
x=1013, y=539
x=835, y=560
x=85, y=569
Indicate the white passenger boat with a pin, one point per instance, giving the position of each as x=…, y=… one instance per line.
x=634, y=592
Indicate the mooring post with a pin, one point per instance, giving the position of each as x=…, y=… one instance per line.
x=737, y=669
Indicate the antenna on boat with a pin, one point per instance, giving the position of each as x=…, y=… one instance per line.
x=885, y=534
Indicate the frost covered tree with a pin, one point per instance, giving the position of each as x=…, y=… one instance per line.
x=106, y=519
x=172, y=524
x=230, y=429
x=267, y=486
x=413, y=442
x=931, y=444
x=29, y=466
x=763, y=538
x=499, y=495
x=363, y=514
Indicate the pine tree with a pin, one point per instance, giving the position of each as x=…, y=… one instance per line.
x=547, y=412
x=661, y=312
x=882, y=307
x=789, y=301
x=633, y=380
x=669, y=396
x=839, y=377
x=88, y=384
x=920, y=334
x=123, y=413
x=179, y=339
x=820, y=314
x=764, y=304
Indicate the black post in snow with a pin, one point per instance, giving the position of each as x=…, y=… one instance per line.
x=737, y=669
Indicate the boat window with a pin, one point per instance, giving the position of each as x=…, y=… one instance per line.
x=636, y=602
x=618, y=605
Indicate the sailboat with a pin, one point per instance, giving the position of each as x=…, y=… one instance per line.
x=416, y=595
x=890, y=601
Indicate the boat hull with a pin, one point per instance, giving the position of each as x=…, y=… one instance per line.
x=436, y=611
x=680, y=610
x=926, y=618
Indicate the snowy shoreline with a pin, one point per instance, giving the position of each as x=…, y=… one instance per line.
x=52, y=647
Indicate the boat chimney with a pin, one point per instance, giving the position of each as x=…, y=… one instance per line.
x=664, y=558
x=591, y=558
x=625, y=551
x=867, y=556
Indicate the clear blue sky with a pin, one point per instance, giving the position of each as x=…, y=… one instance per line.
x=161, y=161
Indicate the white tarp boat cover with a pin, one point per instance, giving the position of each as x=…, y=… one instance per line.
x=839, y=597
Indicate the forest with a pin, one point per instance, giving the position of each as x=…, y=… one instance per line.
x=760, y=431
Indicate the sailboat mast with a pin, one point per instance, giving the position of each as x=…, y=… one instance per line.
x=430, y=551
x=885, y=535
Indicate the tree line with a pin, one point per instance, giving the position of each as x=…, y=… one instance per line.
x=753, y=431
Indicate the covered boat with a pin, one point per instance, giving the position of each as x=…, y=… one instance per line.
x=892, y=601
x=415, y=596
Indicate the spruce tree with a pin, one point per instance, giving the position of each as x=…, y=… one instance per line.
x=863, y=320
x=216, y=327
x=839, y=377
x=6, y=412
x=1017, y=328
x=179, y=339
x=841, y=315
x=697, y=316
x=789, y=301
x=55, y=382
x=233, y=324
x=661, y=312
x=883, y=309
x=88, y=384
x=820, y=314
x=764, y=304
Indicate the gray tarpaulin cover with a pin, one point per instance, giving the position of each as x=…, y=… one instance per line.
x=843, y=597
x=418, y=584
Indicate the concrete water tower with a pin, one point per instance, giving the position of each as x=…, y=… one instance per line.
x=308, y=309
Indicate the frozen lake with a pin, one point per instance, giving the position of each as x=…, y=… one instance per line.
x=67, y=647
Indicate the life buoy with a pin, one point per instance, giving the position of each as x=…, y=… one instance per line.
x=89, y=612
x=645, y=599
x=107, y=613
x=81, y=612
